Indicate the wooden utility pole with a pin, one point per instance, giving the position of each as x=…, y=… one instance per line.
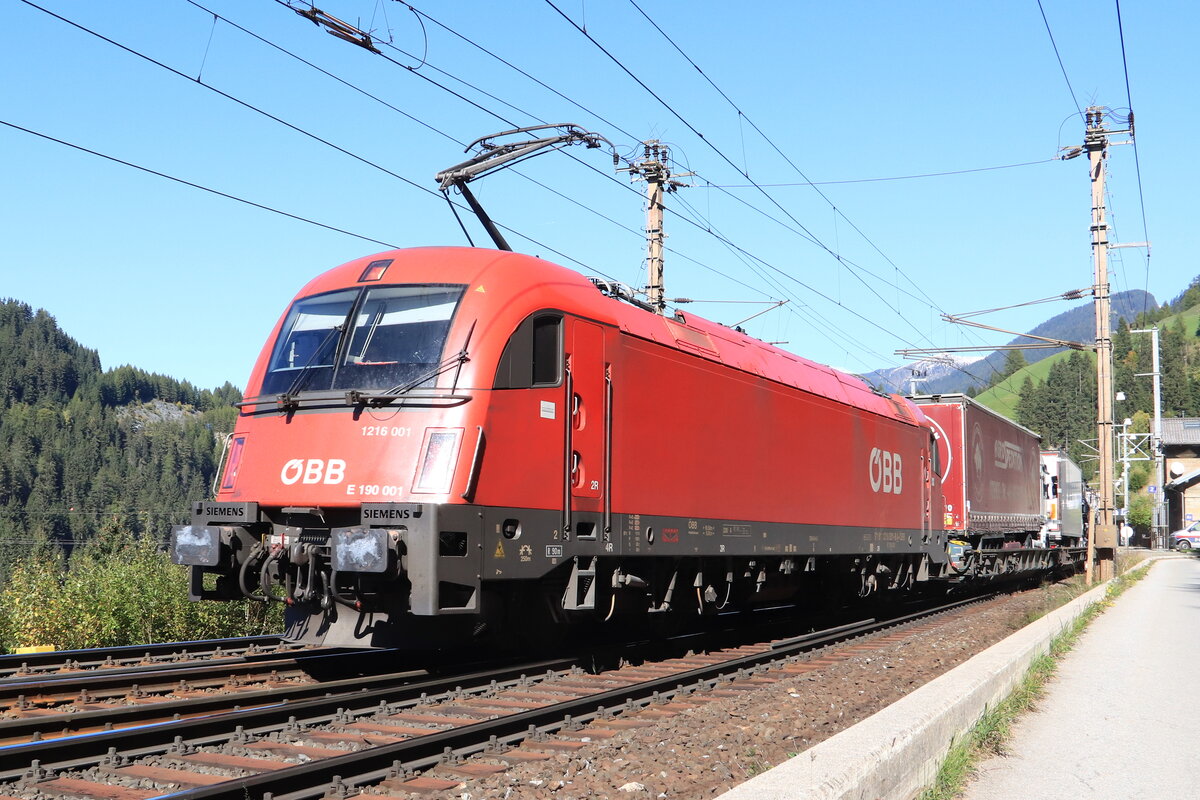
x=1103, y=539
x=656, y=172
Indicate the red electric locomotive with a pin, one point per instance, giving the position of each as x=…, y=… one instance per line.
x=444, y=442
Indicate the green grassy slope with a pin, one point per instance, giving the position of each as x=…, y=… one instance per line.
x=1002, y=398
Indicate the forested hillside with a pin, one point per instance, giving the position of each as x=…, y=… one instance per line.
x=1076, y=325
x=1057, y=397
x=1062, y=408
x=82, y=448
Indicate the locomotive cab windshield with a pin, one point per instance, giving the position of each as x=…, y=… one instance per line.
x=375, y=338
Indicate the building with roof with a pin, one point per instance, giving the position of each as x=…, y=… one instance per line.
x=1181, y=454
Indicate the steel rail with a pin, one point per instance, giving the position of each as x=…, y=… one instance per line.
x=15, y=663
x=159, y=677
x=171, y=711
x=24, y=729
x=75, y=752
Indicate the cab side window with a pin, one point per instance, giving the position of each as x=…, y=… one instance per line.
x=533, y=355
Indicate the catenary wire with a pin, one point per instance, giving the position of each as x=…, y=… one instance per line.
x=1061, y=66
x=812, y=237
x=510, y=122
x=553, y=191
x=807, y=234
x=197, y=185
x=771, y=281
x=306, y=133
x=783, y=291
x=1137, y=164
x=295, y=128
x=526, y=74
x=400, y=111
x=448, y=136
x=891, y=178
x=792, y=164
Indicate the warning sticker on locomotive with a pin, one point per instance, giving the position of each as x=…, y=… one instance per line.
x=547, y=409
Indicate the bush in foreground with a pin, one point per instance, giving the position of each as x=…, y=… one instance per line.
x=117, y=590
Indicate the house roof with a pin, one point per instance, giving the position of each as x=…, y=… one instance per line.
x=1181, y=431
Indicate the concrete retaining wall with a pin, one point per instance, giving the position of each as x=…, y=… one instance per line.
x=895, y=753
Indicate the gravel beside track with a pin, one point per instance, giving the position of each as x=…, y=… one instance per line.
x=703, y=751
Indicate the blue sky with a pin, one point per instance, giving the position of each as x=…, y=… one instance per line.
x=179, y=281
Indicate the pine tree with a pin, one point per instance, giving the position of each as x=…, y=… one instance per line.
x=1014, y=362
x=1176, y=395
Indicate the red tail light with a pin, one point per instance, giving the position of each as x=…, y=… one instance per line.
x=234, y=463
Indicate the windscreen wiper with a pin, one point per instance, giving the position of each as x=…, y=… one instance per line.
x=289, y=401
x=356, y=398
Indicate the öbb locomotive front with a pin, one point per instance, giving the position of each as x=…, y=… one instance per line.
x=445, y=443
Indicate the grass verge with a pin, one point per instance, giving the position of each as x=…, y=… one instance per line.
x=991, y=733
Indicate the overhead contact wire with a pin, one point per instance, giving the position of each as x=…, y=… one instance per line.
x=1137, y=163
x=512, y=123
x=889, y=178
x=202, y=188
x=398, y=110
x=1057, y=55
x=812, y=237
x=287, y=124
x=794, y=166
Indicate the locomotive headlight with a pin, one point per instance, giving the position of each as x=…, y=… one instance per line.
x=359, y=549
x=196, y=545
x=437, y=461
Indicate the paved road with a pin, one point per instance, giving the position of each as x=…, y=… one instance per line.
x=1121, y=719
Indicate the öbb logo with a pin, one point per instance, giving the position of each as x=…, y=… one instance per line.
x=313, y=470
x=885, y=472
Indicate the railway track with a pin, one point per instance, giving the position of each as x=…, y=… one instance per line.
x=25, y=664
x=389, y=731
x=48, y=709
x=193, y=678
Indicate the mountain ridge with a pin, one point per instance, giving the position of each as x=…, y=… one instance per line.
x=1073, y=325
